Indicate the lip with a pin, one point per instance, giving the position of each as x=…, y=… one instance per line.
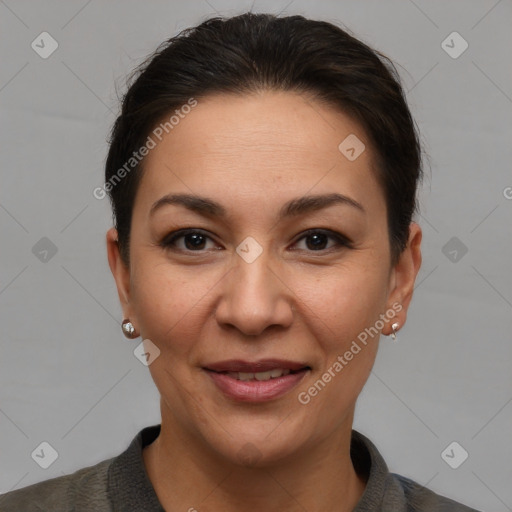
x=263, y=365
x=254, y=390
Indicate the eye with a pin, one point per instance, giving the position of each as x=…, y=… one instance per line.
x=194, y=240
x=316, y=240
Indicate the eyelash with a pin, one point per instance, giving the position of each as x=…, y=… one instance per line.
x=341, y=241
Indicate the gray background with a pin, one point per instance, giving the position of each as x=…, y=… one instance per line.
x=67, y=374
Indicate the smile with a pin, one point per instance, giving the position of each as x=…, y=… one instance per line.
x=247, y=376
x=257, y=386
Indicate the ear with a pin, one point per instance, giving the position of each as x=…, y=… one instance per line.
x=403, y=276
x=121, y=273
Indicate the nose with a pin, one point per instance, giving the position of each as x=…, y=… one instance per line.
x=254, y=297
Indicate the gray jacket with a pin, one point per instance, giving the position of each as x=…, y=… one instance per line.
x=121, y=484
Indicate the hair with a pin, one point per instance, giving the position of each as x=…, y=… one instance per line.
x=253, y=52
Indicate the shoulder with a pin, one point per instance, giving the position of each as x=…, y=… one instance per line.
x=391, y=492
x=85, y=489
x=421, y=499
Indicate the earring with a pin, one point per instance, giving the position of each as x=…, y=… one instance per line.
x=395, y=327
x=129, y=329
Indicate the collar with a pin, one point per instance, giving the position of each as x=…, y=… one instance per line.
x=130, y=488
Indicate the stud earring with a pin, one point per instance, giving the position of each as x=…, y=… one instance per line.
x=395, y=327
x=129, y=329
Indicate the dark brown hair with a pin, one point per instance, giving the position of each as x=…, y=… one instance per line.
x=253, y=52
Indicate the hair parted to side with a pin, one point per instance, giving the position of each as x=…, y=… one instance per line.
x=253, y=52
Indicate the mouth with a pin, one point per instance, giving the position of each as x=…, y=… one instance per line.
x=256, y=381
x=261, y=376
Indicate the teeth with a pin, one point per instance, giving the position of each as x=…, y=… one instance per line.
x=271, y=374
x=263, y=375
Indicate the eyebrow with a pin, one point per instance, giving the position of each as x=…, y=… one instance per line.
x=300, y=205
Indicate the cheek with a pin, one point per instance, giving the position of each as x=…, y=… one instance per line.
x=170, y=305
x=341, y=310
x=339, y=314
x=346, y=300
x=174, y=304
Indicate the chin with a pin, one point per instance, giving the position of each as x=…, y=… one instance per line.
x=255, y=444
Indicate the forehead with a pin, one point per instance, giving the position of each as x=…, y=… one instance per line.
x=273, y=142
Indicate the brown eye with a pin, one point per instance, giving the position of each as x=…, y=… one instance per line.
x=193, y=240
x=316, y=240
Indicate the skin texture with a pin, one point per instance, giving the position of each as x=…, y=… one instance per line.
x=295, y=301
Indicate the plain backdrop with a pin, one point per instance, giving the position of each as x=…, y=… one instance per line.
x=68, y=376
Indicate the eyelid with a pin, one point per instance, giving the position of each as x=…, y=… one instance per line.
x=340, y=239
x=168, y=240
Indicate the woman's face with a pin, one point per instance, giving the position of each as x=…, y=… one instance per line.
x=250, y=284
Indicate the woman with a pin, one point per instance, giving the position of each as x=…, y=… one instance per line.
x=263, y=176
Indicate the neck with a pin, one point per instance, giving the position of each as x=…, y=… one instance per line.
x=187, y=475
